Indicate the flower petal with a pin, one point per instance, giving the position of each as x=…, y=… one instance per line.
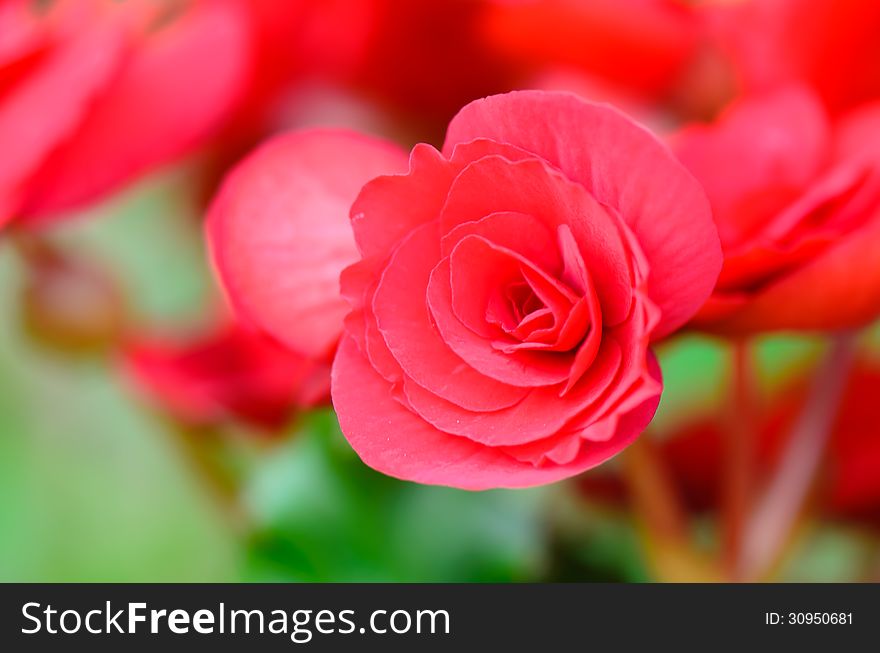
x=48, y=102
x=520, y=368
x=529, y=186
x=280, y=234
x=169, y=95
x=826, y=293
x=394, y=441
x=778, y=140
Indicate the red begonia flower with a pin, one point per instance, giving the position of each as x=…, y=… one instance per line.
x=280, y=235
x=229, y=373
x=95, y=93
x=832, y=45
x=508, y=291
x=796, y=198
x=641, y=45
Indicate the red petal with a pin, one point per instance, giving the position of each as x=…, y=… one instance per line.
x=523, y=368
x=519, y=232
x=394, y=441
x=830, y=292
x=390, y=207
x=227, y=373
x=280, y=233
x=171, y=94
x=779, y=142
x=541, y=414
x=46, y=103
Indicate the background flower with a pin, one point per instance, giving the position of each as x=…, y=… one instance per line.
x=802, y=201
x=829, y=44
x=226, y=374
x=96, y=94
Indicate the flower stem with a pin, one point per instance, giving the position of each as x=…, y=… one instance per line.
x=199, y=451
x=776, y=512
x=737, y=478
x=661, y=518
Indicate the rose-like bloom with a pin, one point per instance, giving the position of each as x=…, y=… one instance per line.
x=509, y=289
x=94, y=93
x=796, y=198
x=228, y=373
x=832, y=45
x=849, y=482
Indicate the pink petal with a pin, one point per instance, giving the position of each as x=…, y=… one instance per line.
x=523, y=368
x=394, y=441
x=280, y=233
x=390, y=207
x=827, y=293
x=226, y=373
x=541, y=414
x=615, y=428
x=778, y=141
x=519, y=232
x=49, y=100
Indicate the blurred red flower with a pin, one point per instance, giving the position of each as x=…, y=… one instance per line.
x=229, y=373
x=427, y=59
x=832, y=45
x=295, y=42
x=640, y=45
x=796, y=197
x=94, y=93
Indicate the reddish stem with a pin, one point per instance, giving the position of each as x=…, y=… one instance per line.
x=777, y=510
x=738, y=472
x=661, y=517
x=652, y=491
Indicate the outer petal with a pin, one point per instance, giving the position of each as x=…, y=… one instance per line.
x=172, y=92
x=839, y=289
x=280, y=234
x=391, y=206
x=394, y=441
x=624, y=167
x=47, y=103
x=227, y=373
x=778, y=142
